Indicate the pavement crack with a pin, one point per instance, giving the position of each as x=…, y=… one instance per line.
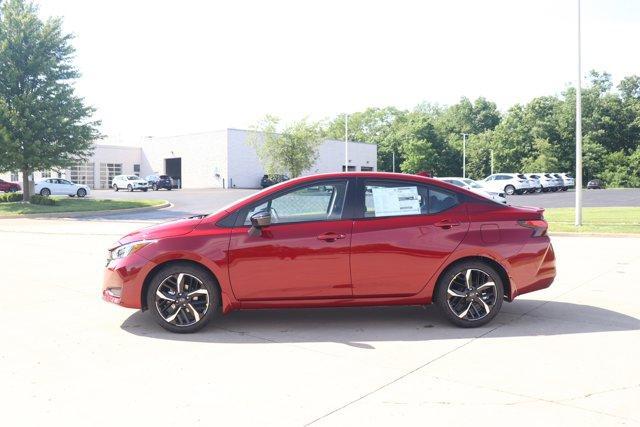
x=406, y=374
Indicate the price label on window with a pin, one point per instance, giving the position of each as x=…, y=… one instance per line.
x=396, y=201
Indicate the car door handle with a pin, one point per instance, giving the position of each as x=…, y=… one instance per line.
x=331, y=237
x=446, y=224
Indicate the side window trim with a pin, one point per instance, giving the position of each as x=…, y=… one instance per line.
x=242, y=212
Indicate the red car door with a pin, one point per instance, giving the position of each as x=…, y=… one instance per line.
x=406, y=232
x=303, y=254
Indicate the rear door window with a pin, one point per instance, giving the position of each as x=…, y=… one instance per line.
x=387, y=199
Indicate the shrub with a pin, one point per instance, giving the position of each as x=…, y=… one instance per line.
x=10, y=197
x=37, y=199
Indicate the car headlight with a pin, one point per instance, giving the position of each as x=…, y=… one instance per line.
x=126, y=250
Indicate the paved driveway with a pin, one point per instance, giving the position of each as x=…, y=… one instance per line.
x=185, y=202
x=567, y=355
x=590, y=198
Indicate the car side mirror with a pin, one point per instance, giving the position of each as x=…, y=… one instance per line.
x=259, y=220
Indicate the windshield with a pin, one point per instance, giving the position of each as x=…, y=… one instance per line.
x=132, y=178
x=471, y=183
x=521, y=176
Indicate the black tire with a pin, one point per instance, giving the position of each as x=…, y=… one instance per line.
x=491, y=295
x=554, y=189
x=509, y=190
x=81, y=192
x=168, y=188
x=130, y=188
x=145, y=189
x=206, y=281
x=115, y=187
x=154, y=188
x=45, y=192
x=565, y=188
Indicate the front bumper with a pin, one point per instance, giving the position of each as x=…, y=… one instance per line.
x=123, y=280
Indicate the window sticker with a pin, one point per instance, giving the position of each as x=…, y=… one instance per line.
x=396, y=201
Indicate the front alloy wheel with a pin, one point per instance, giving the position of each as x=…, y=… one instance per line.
x=471, y=294
x=182, y=297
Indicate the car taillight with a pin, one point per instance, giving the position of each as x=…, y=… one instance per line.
x=539, y=226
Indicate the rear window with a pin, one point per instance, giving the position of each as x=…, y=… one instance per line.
x=521, y=176
x=164, y=176
x=548, y=175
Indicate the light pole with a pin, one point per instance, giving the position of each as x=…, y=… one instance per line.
x=346, y=142
x=491, y=162
x=393, y=160
x=578, y=221
x=464, y=154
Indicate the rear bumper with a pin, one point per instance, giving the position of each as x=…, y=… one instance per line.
x=534, y=268
x=123, y=281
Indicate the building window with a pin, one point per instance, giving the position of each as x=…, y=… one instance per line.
x=82, y=173
x=366, y=168
x=107, y=172
x=136, y=170
x=45, y=174
x=351, y=168
x=14, y=177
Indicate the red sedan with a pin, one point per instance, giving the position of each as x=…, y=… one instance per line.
x=336, y=240
x=9, y=187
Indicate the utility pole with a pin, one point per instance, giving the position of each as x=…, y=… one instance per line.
x=346, y=142
x=578, y=221
x=464, y=154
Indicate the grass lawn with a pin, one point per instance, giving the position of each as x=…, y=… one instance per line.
x=66, y=204
x=595, y=220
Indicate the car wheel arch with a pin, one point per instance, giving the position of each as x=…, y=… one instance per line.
x=506, y=281
x=147, y=280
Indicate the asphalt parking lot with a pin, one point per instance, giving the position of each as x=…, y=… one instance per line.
x=189, y=202
x=567, y=355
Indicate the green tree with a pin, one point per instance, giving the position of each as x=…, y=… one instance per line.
x=374, y=125
x=292, y=150
x=43, y=123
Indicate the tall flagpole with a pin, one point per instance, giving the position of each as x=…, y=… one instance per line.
x=578, y=221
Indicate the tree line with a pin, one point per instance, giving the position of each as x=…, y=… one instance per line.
x=538, y=136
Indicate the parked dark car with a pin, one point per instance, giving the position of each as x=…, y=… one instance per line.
x=269, y=180
x=157, y=182
x=9, y=187
x=595, y=184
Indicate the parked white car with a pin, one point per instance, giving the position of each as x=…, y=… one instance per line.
x=567, y=180
x=508, y=183
x=548, y=182
x=59, y=186
x=476, y=187
x=129, y=183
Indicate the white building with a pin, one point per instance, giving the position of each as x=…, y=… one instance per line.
x=221, y=159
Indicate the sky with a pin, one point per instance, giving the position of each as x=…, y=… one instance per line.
x=158, y=68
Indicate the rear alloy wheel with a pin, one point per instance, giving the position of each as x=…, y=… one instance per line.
x=510, y=189
x=183, y=298
x=130, y=187
x=115, y=187
x=82, y=192
x=470, y=294
x=45, y=192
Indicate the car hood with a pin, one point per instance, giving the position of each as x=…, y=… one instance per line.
x=168, y=229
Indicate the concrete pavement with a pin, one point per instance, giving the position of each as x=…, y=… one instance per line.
x=566, y=355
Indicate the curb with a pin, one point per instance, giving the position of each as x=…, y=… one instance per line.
x=87, y=213
x=571, y=234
